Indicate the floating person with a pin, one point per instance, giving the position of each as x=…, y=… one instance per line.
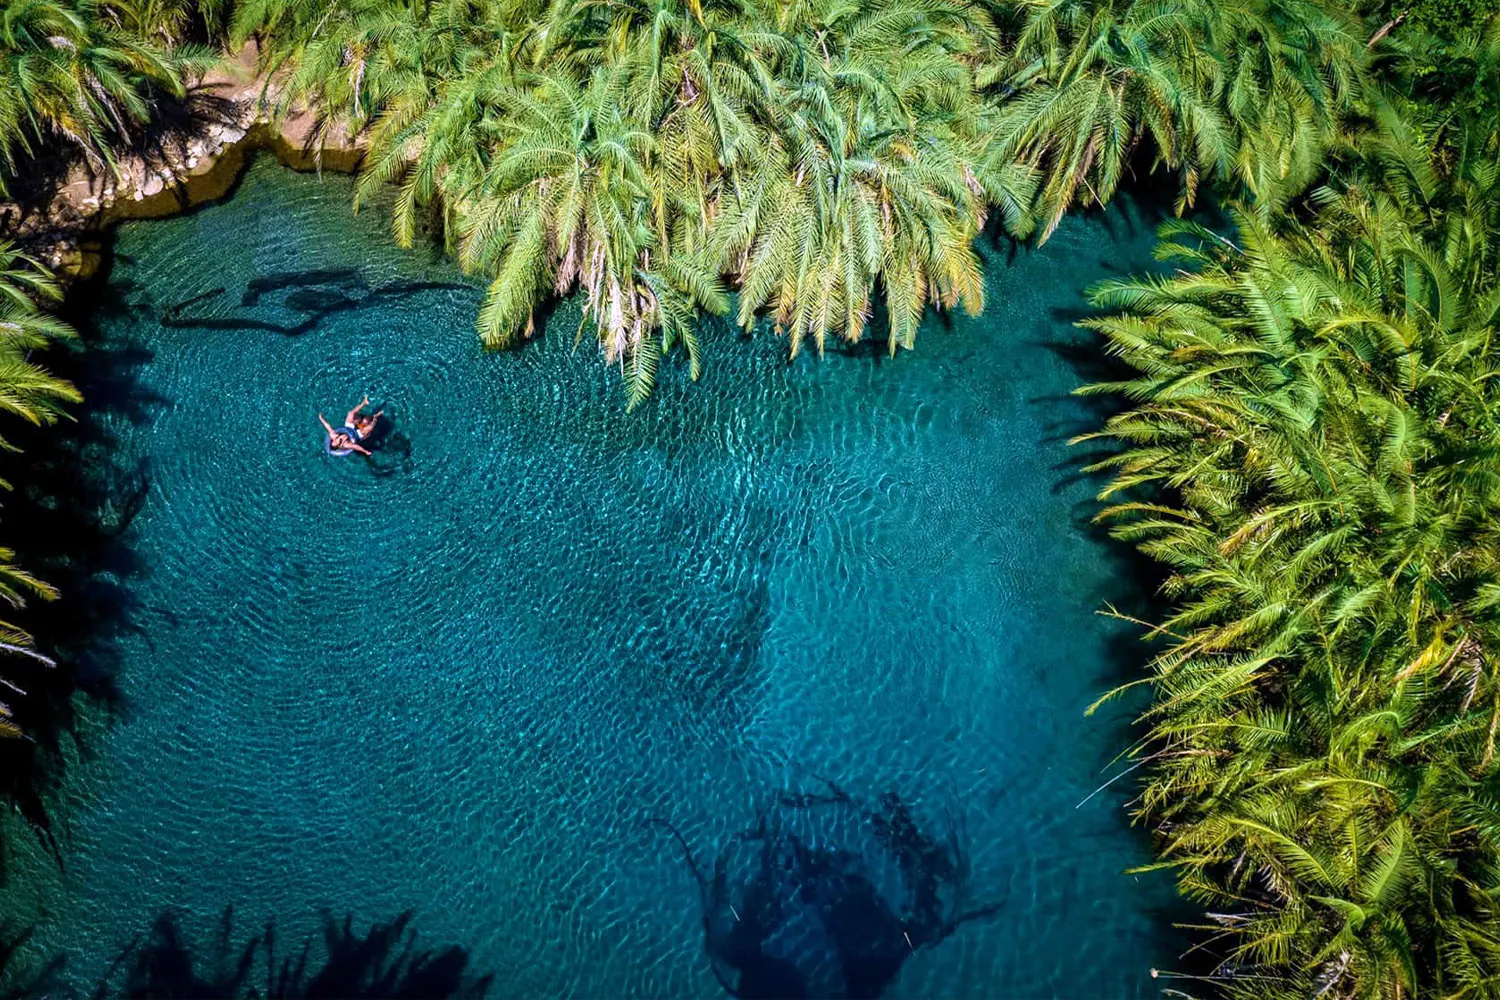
x=341, y=440
x=361, y=423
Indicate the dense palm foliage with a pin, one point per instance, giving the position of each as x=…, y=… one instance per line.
x=1250, y=93
x=82, y=73
x=30, y=393
x=1314, y=454
x=810, y=156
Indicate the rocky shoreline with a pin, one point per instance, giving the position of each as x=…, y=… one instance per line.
x=234, y=115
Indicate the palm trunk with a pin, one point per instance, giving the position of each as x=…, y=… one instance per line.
x=1386, y=29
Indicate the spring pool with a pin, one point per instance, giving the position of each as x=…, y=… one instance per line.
x=776, y=681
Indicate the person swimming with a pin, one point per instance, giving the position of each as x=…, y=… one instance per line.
x=342, y=439
x=363, y=424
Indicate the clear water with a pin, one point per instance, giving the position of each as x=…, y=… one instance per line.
x=487, y=675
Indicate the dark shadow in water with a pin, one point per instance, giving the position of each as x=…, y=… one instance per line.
x=337, y=277
x=384, y=963
x=17, y=980
x=1084, y=353
x=69, y=517
x=316, y=295
x=1153, y=194
x=390, y=454
x=828, y=896
x=1136, y=580
x=1131, y=584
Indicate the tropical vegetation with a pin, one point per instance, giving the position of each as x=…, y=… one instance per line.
x=810, y=157
x=1311, y=453
x=1310, y=439
x=32, y=394
x=76, y=76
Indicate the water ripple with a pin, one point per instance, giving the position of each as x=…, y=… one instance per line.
x=463, y=675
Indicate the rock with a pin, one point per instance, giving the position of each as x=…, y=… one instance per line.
x=231, y=135
x=153, y=185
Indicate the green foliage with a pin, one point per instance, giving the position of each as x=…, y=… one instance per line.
x=1250, y=93
x=643, y=153
x=29, y=392
x=1311, y=452
x=80, y=73
x=1448, y=18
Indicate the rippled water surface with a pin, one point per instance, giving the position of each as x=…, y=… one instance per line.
x=829, y=627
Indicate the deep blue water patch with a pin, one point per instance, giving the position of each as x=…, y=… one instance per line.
x=779, y=677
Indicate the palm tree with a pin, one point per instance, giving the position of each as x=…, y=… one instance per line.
x=879, y=169
x=79, y=73
x=29, y=392
x=669, y=144
x=1253, y=91
x=1312, y=452
x=1089, y=80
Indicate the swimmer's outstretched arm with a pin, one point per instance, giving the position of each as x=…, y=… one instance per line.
x=326, y=425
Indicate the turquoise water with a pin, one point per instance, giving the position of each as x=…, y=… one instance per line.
x=827, y=627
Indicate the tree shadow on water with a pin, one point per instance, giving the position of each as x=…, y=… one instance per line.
x=311, y=295
x=163, y=963
x=828, y=896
